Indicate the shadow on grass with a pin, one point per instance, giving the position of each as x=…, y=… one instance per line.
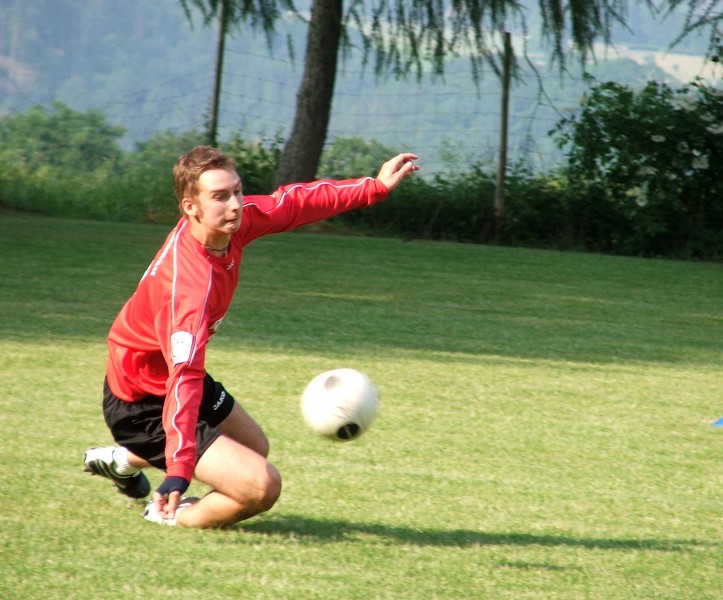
x=310, y=530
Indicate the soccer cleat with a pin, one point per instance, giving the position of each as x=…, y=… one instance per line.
x=152, y=515
x=99, y=461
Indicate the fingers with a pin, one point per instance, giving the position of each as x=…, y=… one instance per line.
x=398, y=168
x=166, y=505
x=403, y=158
x=408, y=168
x=403, y=162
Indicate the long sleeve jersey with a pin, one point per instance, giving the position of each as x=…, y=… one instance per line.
x=157, y=343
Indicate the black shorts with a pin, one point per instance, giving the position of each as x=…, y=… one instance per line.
x=138, y=426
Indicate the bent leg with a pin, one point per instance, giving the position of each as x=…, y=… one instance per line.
x=239, y=426
x=244, y=484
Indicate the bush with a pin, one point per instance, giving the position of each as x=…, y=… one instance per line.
x=67, y=163
x=350, y=157
x=644, y=177
x=537, y=211
x=256, y=162
x=647, y=167
x=50, y=161
x=143, y=192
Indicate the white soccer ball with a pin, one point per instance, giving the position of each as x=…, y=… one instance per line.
x=340, y=404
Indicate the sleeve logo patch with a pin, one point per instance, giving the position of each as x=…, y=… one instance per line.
x=181, y=344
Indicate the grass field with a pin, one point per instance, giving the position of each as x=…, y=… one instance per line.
x=545, y=427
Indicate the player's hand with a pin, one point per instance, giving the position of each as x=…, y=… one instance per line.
x=396, y=169
x=167, y=505
x=168, y=495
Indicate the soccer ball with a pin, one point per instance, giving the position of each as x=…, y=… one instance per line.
x=340, y=404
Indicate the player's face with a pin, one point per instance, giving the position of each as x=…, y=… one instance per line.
x=219, y=201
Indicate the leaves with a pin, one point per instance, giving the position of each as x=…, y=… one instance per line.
x=654, y=157
x=59, y=138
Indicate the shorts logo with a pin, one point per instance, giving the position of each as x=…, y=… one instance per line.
x=181, y=345
x=220, y=400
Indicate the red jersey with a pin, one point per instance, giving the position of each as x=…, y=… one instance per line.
x=157, y=343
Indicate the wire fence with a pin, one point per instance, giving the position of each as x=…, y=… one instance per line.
x=444, y=119
x=167, y=86
x=448, y=120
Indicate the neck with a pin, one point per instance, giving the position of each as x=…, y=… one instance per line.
x=217, y=250
x=217, y=245
x=212, y=241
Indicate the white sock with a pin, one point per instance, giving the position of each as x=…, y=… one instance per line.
x=121, y=464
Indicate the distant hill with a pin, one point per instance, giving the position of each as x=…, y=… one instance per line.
x=147, y=69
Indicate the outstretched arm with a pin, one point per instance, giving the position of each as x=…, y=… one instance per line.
x=396, y=169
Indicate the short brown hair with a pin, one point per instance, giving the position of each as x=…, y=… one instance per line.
x=191, y=165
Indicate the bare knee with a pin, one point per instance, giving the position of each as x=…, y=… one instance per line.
x=269, y=488
x=258, y=494
x=245, y=482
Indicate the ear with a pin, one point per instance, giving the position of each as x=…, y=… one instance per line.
x=188, y=207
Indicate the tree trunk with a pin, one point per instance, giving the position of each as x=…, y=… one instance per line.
x=504, y=118
x=212, y=132
x=300, y=158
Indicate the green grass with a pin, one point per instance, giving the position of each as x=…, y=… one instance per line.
x=545, y=427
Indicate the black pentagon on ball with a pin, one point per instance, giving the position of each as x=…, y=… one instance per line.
x=348, y=432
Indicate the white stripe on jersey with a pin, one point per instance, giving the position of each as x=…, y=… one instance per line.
x=194, y=335
x=318, y=184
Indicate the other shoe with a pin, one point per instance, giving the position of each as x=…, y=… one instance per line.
x=99, y=461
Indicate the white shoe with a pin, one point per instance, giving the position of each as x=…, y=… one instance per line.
x=152, y=515
x=99, y=461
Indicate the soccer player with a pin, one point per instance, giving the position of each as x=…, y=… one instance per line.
x=162, y=407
